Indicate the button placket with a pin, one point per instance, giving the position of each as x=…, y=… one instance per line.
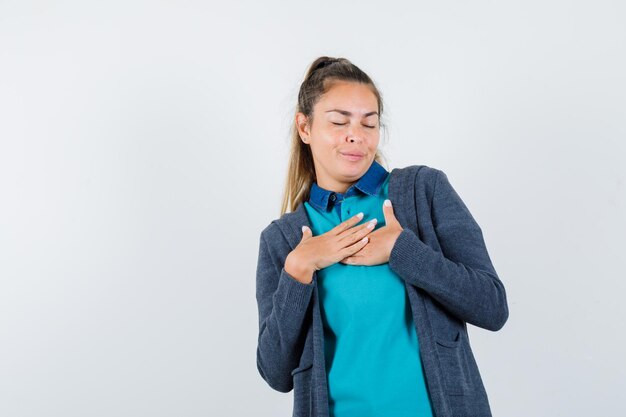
x=346, y=208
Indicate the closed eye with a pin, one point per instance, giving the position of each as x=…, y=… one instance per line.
x=341, y=124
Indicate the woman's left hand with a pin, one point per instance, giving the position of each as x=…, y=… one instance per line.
x=381, y=241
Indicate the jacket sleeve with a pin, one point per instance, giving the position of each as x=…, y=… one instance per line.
x=462, y=278
x=282, y=303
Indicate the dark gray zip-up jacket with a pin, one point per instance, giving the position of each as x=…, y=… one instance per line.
x=450, y=280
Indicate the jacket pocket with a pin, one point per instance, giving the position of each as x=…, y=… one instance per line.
x=454, y=365
x=302, y=390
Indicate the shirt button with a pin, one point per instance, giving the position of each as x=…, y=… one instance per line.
x=333, y=197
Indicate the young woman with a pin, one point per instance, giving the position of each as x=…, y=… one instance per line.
x=366, y=286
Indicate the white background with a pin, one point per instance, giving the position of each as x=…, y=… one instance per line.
x=143, y=147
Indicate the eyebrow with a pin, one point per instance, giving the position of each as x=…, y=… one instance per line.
x=347, y=113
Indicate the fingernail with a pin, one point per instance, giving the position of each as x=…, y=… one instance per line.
x=372, y=223
x=360, y=215
x=303, y=229
x=388, y=203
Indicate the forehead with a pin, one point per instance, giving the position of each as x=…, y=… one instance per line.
x=349, y=97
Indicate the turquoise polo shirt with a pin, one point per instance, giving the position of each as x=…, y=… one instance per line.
x=371, y=348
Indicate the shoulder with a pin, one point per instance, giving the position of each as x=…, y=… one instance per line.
x=421, y=176
x=272, y=230
x=278, y=230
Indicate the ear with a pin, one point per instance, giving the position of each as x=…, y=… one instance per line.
x=302, y=124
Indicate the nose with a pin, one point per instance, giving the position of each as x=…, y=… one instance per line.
x=354, y=135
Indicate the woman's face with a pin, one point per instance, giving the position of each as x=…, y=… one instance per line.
x=344, y=134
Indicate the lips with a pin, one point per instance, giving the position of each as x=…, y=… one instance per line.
x=353, y=153
x=352, y=156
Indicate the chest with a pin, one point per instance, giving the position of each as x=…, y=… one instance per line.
x=351, y=294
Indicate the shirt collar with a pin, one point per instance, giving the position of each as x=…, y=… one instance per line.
x=369, y=183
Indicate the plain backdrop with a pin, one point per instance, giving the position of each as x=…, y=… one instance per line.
x=143, y=147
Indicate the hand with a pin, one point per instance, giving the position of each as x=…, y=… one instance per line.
x=381, y=242
x=316, y=252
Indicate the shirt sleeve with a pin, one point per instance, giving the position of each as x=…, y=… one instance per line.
x=461, y=277
x=282, y=303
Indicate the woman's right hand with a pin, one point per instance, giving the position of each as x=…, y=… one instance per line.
x=316, y=252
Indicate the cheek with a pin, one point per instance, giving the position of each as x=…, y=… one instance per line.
x=326, y=148
x=373, y=145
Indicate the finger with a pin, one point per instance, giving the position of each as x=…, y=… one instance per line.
x=306, y=233
x=390, y=217
x=352, y=249
x=345, y=225
x=356, y=233
x=352, y=260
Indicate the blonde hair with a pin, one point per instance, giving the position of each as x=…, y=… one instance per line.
x=323, y=73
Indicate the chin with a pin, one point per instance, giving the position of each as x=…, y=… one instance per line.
x=356, y=169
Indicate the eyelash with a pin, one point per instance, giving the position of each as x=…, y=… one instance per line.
x=341, y=124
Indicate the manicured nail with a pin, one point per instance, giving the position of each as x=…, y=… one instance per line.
x=303, y=229
x=365, y=239
x=360, y=215
x=388, y=203
x=372, y=223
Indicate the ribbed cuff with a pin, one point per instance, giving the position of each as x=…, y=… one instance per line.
x=292, y=295
x=408, y=256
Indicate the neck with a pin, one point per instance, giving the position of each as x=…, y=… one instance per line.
x=336, y=186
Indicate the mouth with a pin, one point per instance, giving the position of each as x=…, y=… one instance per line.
x=352, y=156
